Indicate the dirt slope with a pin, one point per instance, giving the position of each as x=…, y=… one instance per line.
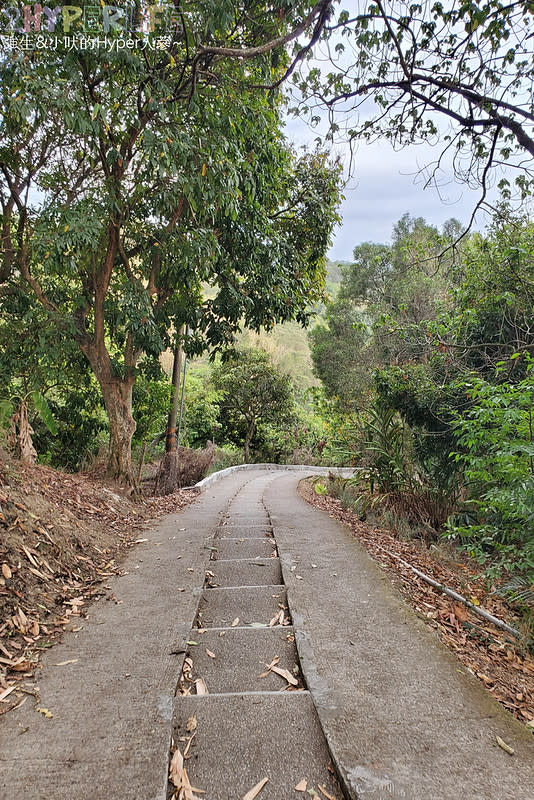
x=61, y=536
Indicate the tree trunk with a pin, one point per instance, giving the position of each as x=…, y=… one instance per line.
x=248, y=440
x=170, y=439
x=167, y=480
x=117, y=395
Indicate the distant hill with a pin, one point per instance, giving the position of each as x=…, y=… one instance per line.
x=287, y=343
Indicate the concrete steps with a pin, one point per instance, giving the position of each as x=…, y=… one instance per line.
x=259, y=547
x=250, y=605
x=253, y=723
x=241, y=655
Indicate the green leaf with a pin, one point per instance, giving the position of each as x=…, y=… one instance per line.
x=6, y=410
x=43, y=409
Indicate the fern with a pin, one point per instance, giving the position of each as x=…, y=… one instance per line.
x=519, y=589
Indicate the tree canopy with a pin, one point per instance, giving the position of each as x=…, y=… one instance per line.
x=131, y=179
x=253, y=392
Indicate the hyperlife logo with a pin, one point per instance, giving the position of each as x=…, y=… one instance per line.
x=91, y=19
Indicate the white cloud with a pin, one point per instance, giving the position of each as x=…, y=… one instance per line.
x=385, y=185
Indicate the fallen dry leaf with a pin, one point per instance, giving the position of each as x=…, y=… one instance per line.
x=284, y=673
x=209, y=653
x=460, y=612
x=301, y=785
x=273, y=663
x=506, y=747
x=7, y=691
x=179, y=778
x=254, y=792
x=191, y=724
x=200, y=685
x=188, y=745
x=6, y=571
x=278, y=619
x=21, y=666
x=176, y=769
x=235, y=622
x=64, y=663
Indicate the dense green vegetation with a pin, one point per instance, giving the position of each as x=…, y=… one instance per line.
x=426, y=358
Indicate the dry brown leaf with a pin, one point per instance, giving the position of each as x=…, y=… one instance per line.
x=187, y=747
x=35, y=629
x=200, y=685
x=235, y=622
x=21, y=666
x=6, y=571
x=176, y=769
x=7, y=691
x=284, y=673
x=209, y=653
x=273, y=663
x=460, y=612
x=179, y=778
x=301, y=785
x=254, y=792
x=64, y=663
x=191, y=724
x=278, y=619
x=506, y=747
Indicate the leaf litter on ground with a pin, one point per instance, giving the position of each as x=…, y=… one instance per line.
x=180, y=780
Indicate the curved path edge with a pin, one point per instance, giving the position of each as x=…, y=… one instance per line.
x=304, y=469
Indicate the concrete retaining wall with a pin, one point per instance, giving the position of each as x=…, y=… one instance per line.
x=306, y=470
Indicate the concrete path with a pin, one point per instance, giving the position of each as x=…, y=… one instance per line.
x=376, y=693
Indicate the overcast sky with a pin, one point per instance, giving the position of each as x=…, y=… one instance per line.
x=386, y=185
